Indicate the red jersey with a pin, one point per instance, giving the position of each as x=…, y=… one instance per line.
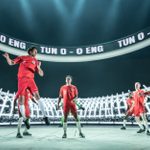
x=68, y=93
x=27, y=67
x=139, y=96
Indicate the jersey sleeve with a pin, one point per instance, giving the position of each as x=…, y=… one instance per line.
x=17, y=60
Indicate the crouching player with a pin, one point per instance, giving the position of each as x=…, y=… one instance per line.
x=129, y=112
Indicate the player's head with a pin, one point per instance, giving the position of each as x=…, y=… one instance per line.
x=68, y=79
x=137, y=85
x=32, y=51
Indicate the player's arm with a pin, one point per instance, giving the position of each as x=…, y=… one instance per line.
x=9, y=61
x=147, y=93
x=76, y=102
x=58, y=103
x=59, y=98
x=40, y=71
x=75, y=99
x=79, y=105
x=132, y=106
x=34, y=101
x=76, y=96
x=145, y=101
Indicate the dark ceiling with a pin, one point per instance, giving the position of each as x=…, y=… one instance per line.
x=73, y=22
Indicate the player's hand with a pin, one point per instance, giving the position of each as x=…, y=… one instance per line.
x=6, y=55
x=81, y=107
x=57, y=107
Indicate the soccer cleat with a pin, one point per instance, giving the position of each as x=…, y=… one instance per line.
x=64, y=136
x=19, y=135
x=27, y=124
x=81, y=135
x=148, y=132
x=27, y=134
x=123, y=128
x=47, y=122
x=140, y=131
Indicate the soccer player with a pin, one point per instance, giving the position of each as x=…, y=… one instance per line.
x=129, y=112
x=69, y=94
x=139, y=108
x=27, y=68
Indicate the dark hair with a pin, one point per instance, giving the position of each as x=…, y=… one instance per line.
x=31, y=49
x=69, y=76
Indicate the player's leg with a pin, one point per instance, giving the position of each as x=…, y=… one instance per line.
x=20, y=121
x=138, y=121
x=66, y=112
x=27, y=112
x=42, y=107
x=21, y=106
x=144, y=119
x=22, y=111
x=75, y=115
x=22, y=86
x=124, y=122
x=19, y=128
x=33, y=88
x=26, y=132
x=136, y=113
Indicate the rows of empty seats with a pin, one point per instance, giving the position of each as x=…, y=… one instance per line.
x=97, y=109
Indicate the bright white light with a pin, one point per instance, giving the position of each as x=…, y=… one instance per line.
x=106, y=55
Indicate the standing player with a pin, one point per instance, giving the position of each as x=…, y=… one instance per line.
x=69, y=94
x=139, y=108
x=130, y=109
x=27, y=68
x=28, y=97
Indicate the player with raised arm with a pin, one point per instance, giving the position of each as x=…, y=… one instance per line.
x=28, y=65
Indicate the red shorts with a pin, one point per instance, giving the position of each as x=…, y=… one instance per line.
x=139, y=110
x=70, y=107
x=26, y=83
x=142, y=109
